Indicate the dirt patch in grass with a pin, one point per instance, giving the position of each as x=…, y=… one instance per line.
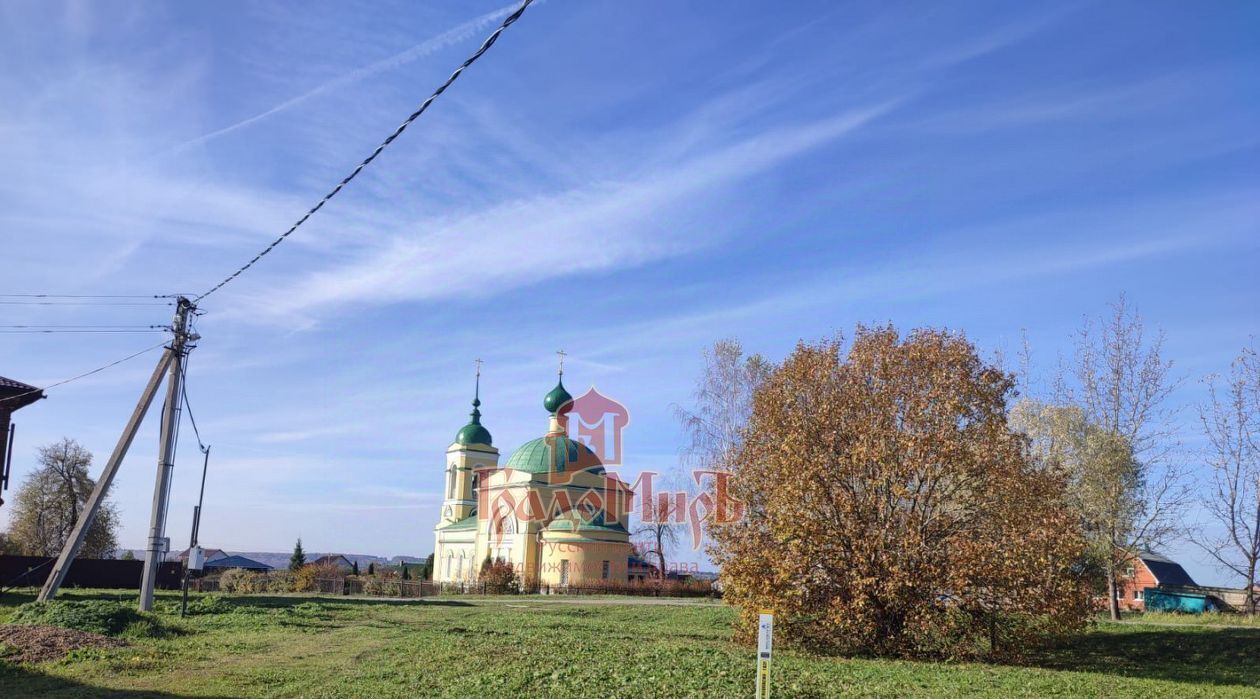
x=28, y=643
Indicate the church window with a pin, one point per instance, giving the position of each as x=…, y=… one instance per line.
x=564, y=572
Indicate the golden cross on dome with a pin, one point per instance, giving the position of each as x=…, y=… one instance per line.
x=562, y=354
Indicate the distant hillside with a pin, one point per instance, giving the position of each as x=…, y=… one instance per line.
x=281, y=560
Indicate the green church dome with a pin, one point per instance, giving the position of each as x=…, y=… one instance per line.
x=553, y=453
x=474, y=432
x=557, y=398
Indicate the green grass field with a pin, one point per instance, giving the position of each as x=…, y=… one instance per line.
x=543, y=647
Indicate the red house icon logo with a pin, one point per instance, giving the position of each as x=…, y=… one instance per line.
x=597, y=421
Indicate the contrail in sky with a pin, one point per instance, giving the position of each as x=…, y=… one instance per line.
x=424, y=48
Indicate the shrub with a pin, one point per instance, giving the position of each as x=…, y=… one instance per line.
x=304, y=580
x=500, y=578
x=242, y=581
x=906, y=518
x=95, y=616
x=280, y=581
x=387, y=583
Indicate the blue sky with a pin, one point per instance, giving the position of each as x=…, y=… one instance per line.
x=627, y=181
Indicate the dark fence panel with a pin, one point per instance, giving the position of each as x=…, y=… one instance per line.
x=32, y=571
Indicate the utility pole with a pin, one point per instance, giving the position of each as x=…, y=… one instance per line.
x=173, y=360
x=88, y=515
x=158, y=543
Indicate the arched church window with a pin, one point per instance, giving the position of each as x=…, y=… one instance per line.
x=450, y=481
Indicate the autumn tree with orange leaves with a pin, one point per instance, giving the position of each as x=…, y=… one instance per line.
x=892, y=510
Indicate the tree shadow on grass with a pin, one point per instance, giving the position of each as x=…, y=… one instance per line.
x=17, y=597
x=285, y=601
x=28, y=681
x=1182, y=654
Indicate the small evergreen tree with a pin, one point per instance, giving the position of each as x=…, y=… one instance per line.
x=405, y=574
x=298, y=559
x=427, y=572
x=371, y=568
x=354, y=567
x=128, y=555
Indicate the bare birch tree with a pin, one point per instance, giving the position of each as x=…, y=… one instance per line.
x=723, y=403
x=1122, y=386
x=715, y=425
x=1231, y=423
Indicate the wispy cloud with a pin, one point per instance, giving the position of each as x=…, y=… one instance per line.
x=429, y=46
x=614, y=222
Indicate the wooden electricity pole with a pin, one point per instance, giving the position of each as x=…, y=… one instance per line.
x=172, y=361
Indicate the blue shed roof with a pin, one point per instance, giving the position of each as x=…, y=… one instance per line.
x=1166, y=570
x=237, y=562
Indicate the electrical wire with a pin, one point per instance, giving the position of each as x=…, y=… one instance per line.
x=86, y=303
x=87, y=327
x=485, y=46
x=97, y=332
x=89, y=296
x=183, y=387
x=84, y=374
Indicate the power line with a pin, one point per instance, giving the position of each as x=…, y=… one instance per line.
x=85, y=303
x=86, y=327
x=85, y=374
x=79, y=332
x=89, y=296
x=485, y=46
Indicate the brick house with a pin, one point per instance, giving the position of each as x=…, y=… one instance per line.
x=1149, y=570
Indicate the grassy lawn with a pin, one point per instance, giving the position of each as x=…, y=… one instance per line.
x=531, y=646
x=1209, y=619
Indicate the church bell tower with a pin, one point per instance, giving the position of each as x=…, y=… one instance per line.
x=471, y=452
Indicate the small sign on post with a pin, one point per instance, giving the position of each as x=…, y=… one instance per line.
x=765, y=647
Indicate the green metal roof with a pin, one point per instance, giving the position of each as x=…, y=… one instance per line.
x=469, y=522
x=597, y=525
x=474, y=432
x=553, y=453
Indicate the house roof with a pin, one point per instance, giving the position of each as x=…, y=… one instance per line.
x=637, y=561
x=1166, y=570
x=6, y=382
x=237, y=562
x=210, y=554
x=10, y=390
x=333, y=558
